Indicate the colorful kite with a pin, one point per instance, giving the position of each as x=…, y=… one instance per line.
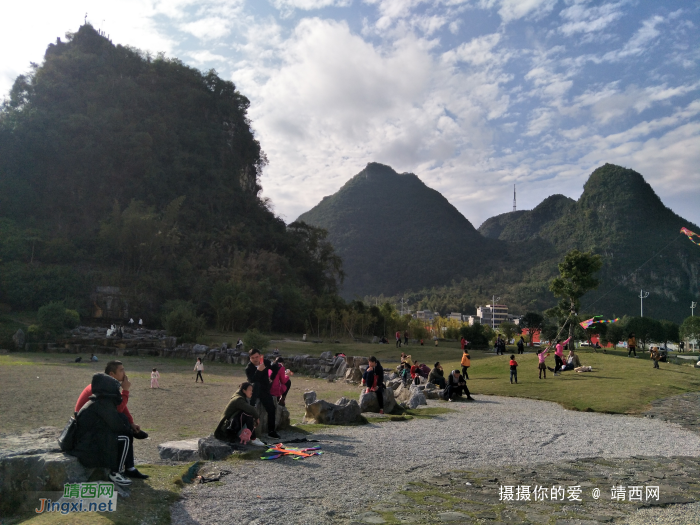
x=279, y=450
x=691, y=235
x=597, y=320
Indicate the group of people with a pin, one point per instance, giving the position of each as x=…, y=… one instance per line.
x=398, y=338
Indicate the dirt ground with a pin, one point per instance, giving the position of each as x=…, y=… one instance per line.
x=41, y=390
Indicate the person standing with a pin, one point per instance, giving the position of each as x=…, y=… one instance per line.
x=258, y=373
x=513, y=370
x=559, y=355
x=544, y=354
x=521, y=345
x=405, y=337
x=199, y=367
x=398, y=339
x=154, y=378
x=466, y=363
x=632, y=346
x=373, y=379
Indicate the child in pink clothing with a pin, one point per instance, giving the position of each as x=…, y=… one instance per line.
x=154, y=378
x=541, y=357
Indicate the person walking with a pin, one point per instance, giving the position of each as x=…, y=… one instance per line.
x=154, y=378
x=466, y=363
x=521, y=345
x=632, y=345
x=544, y=354
x=405, y=337
x=513, y=370
x=655, y=355
x=398, y=339
x=199, y=367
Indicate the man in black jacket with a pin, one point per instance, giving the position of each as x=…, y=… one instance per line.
x=102, y=435
x=437, y=376
x=258, y=373
x=456, y=386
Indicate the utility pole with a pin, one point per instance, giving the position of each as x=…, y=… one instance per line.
x=514, y=197
x=402, y=307
x=693, y=306
x=642, y=295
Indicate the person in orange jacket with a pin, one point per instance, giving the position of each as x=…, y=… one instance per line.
x=466, y=363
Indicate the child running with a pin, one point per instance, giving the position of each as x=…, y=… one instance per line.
x=199, y=366
x=513, y=370
x=544, y=354
x=154, y=378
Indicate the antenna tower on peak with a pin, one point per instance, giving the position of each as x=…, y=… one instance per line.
x=514, y=208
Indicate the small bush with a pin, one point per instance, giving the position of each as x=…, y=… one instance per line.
x=183, y=323
x=52, y=317
x=71, y=319
x=254, y=339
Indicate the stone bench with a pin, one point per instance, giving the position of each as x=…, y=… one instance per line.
x=33, y=462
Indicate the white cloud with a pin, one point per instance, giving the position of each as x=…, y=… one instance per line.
x=580, y=18
x=511, y=10
x=309, y=5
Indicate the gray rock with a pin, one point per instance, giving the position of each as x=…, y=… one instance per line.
x=309, y=397
x=354, y=375
x=345, y=412
x=212, y=449
x=187, y=450
x=394, y=384
x=281, y=417
x=417, y=398
x=19, y=339
x=402, y=393
x=326, y=355
x=200, y=349
x=433, y=394
x=368, y=401
x=33, y=462
x=359, y=361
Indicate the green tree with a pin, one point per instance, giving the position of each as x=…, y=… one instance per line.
x=182, y=321
x=508, y=329
x=645, y=329
x=532, y=322
x=254, y=339
x=690, y=329
x=575, y=279
x=614, y=333
x=52, y=317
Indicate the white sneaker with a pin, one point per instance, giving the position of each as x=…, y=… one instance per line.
x=119, y=479
x=257, y=442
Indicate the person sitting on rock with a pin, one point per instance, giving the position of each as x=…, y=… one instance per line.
x=456, y=386
x=258, y=373
x=102, y=436
x=115, y=369
x=239, y=416
x=373, y=379
x=437, y=376
x=280, y=382
x=406, y=359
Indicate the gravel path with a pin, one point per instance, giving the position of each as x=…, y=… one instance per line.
x=370, y=463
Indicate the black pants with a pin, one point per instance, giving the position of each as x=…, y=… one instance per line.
x=521, y=350
x=633, y=349
x=129, y=462
x=405, y=340
x=513, y=375
x=380, y=397
x=557, y=363
x=282, y=399
x=398, y=343
x=455, y=391
x=465, y=372
x=439, y=382
x=123, y=448
x=199, y=376
x=269, y=406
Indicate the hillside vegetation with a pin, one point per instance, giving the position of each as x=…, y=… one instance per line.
x=122, y=169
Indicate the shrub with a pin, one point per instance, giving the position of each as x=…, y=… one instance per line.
x=254, y=339
x=184, y=324
x=52, y=317
x=71, y=319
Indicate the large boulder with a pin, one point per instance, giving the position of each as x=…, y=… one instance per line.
x=368, y=401
x=344, y=412
x=33, y=462
x=402, y=393
x=309, y=397
x=186, y=450
x=213, y=449
x=417, y=398
x=354, y=375
x=281, y=417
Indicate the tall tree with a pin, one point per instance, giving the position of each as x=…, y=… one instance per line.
x=576, y=277
x=532, y=322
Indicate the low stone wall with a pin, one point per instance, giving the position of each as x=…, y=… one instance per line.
x=143, y=342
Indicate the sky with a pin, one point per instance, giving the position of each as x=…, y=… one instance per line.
x=473, y=96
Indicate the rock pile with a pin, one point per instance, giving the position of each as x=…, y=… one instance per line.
x=343, y=412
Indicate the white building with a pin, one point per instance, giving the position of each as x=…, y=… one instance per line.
x=492, y=314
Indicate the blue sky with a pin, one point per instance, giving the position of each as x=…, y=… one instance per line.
x=471, y=95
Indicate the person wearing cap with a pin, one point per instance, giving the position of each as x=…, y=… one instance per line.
x=437, y=376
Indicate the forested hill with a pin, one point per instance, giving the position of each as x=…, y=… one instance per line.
x=394, y=233
x=120, y=169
